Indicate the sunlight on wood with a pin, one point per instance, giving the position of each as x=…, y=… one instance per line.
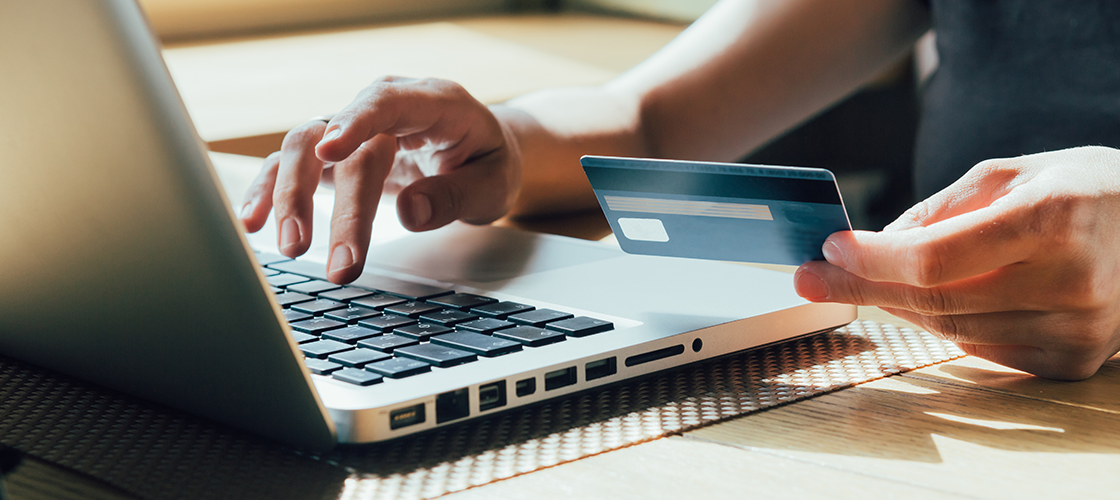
x=994, y=424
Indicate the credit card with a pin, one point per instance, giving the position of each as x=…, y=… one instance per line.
x=718, y=211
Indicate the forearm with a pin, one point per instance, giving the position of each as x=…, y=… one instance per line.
x=738, y=77
x=749, y=70
x=553, y=128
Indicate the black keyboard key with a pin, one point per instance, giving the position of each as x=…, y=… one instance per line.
x=351, y=314
x=316, y=326
x=282, y=280
x=388, y=343
x=379, y=301
x=580, y=326
x=345, y=294
x=358, y=376
x=502, y=309
x=323, y=348
x=350, y=334
x=484, y=325
x=359, y=357
x=437, y=355
x=318, y=306
x=538, y=317
x=399, y=367
x=412, y=309
x=422, y=331
x=387, y=322
x=265, y=258
x=288, y=298
x=292, y=316
x=313, y=287
x=477, y=343
x=448, y=317
x=303, y=338
x=463, y=301
x=321, y=366
x=531, y=335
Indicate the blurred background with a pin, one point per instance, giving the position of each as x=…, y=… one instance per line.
x=251, y=69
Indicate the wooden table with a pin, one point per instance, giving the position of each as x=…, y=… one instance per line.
x=966, y=428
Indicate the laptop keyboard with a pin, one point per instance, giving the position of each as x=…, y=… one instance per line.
x=361, y=335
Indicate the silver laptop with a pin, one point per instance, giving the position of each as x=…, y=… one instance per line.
x=121, y=263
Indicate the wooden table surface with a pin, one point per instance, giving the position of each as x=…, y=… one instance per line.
x=966, y=428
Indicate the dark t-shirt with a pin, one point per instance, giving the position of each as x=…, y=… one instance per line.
x=1017, y=77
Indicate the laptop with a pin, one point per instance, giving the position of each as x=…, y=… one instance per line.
x=122, y=264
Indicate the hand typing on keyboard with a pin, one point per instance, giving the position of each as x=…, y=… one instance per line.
x=429, y=141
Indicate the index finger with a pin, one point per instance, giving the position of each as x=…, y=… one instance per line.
x=949, y=250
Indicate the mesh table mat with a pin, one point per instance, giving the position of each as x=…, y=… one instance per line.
x=157, y=453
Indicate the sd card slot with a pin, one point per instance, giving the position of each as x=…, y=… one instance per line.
x=647, y=357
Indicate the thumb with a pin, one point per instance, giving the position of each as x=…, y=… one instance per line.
x=479, y=192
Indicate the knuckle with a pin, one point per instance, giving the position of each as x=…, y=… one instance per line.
x=304, y=134
x=449, y=93
x=1075, y=365
x=1087, y=288
x=381, y=88
x=920, y=212
x=948, y=327
x=441, y=85
x=290, y=198
x=345, y=217
x=927, y=300
x=453, y=201
x=997, y=170
x=987, y=167
x=1088, y=339
x=1065, y=220
x=927, y=268
x=387, y=79
x=845, y=290
x=1077, y=371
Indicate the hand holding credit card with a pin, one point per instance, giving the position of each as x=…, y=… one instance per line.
x=718, y=211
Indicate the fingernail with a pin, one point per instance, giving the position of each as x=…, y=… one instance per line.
x=332, y=134
x=421, y=209
x=810, y=286
x=341, y=258
x=246, y=211
x=833, y=254
x=289, y=233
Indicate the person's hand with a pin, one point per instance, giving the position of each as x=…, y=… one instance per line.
x=1017, y=262
x=441, y=151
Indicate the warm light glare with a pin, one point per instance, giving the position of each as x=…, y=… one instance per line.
x=994, y=424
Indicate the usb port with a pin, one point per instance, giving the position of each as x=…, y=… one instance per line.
x=492, y=395
x=560, y=378
x=405, y=417
x=526, y=387
x=601, y=368
x=452, y=405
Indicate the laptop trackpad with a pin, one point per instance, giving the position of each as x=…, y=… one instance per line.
x=484, y=254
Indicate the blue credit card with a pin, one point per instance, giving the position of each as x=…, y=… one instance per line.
x=718, y=211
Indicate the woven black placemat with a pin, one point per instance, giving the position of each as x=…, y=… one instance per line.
x=159, y=453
